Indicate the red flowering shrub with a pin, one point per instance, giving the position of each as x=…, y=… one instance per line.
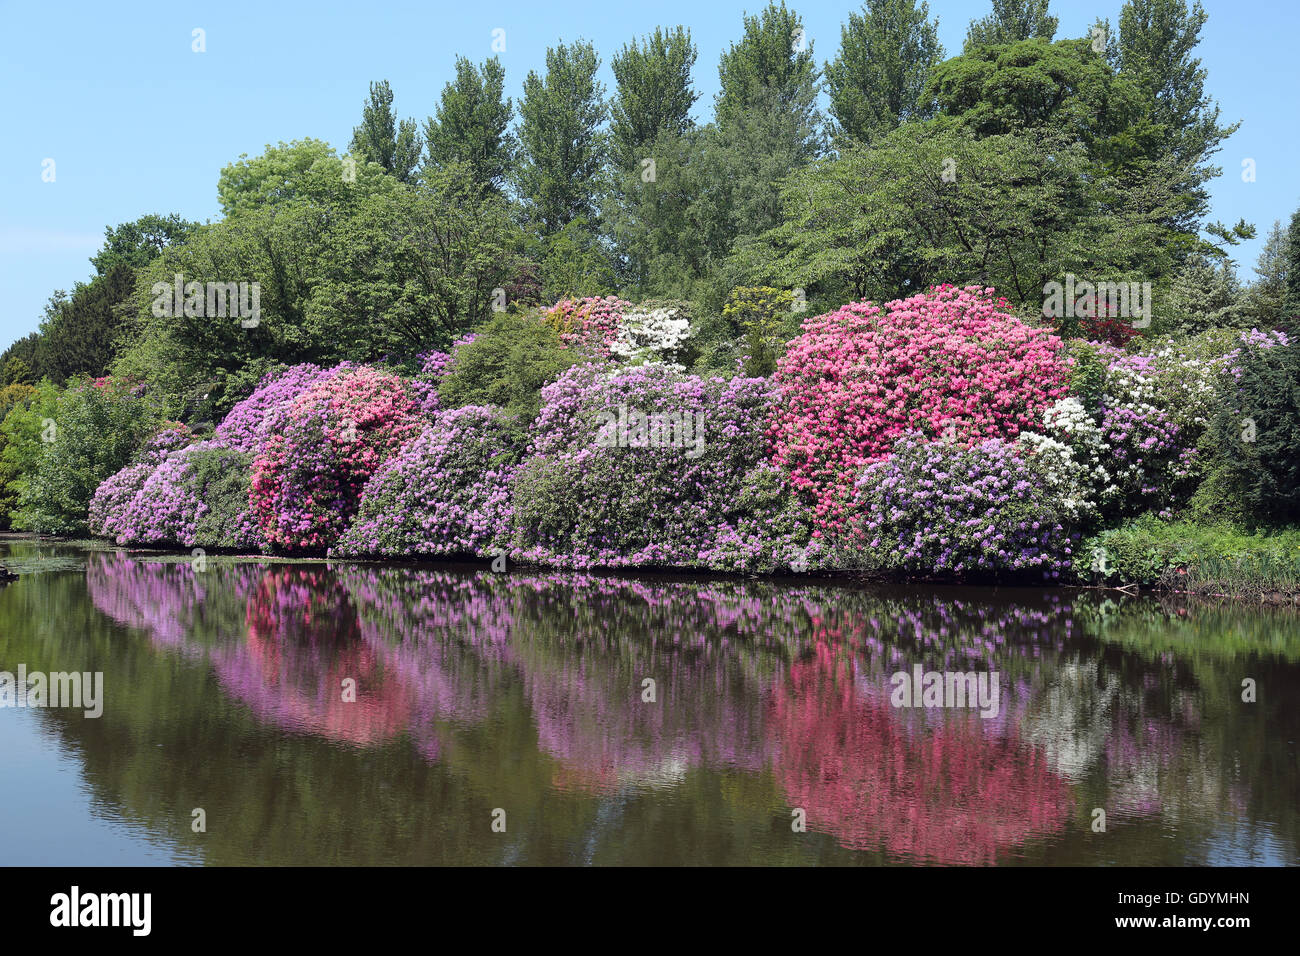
x=949, y=363
x=307, y=480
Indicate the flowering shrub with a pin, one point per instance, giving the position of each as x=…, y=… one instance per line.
x=1071, y=455
x=938, y=507
x=1148, y=463
x=445, y=493
x=113, y=497
x=165, y=509
x=263, y=413
x=591, y=322
x=308, y=479
x=588, y=498
x=947, y=362
x=651, y=335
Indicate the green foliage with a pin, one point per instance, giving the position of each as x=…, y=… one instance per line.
x=1262, y=303
x=512, y=356
x=1291, y=282
x=1087, y=376
x=1214, y=558
x=932, y=203
x=1011, y=21
x=1257, y=430
x=774, y=56
x=83, y=334
x=1156, y=40
x=25, y=409
x=220, y=478
x=1204, y=295
x=95, y=431
x=575, y=265
x=762, y=314
x=472, y=126
x=282, y=173
x=652, y=94
x=351, y=271
x=877, y=79
x=138, y=243
x=562, y=147
x=382, y=138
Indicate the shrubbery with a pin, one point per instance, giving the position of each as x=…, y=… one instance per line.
x=947, y=363
x=93, y=431
x=307, y=479
x=602, y=489
x=933, y=507
x=445, y=493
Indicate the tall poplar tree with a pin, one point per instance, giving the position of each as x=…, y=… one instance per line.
x=562, y=147
x=472, y=124
x=382, y=139
x=886, y=55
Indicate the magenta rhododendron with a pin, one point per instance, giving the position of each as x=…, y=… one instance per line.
x=308, y=479
x=949, y=363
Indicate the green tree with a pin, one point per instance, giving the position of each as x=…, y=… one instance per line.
x=931, y=202
x=562, y=148
x=20, y=442
x=382, y=138
x=472, y=124
x=1156, y=42
x=652, y=93
x=279, y=174
x=93, y=433
x=1291, y=281
x=1011, y=21
x=878, y=79
x=84, y=333
x=1264, y=296
x=1205, y=294
x=138, y=243
x=772, y=68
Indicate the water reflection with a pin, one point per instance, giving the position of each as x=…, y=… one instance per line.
x=529, y=690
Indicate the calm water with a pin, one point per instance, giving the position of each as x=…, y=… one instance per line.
x=524, y=692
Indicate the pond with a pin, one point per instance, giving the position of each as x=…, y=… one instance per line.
x=265, y=712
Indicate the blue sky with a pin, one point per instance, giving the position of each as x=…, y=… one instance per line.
x=136, y=122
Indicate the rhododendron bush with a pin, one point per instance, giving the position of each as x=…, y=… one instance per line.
x=946, y=363
x=938, y=507
x=604, y=487
x=445, y=493
x=307, y=480
x=263, y=413
x=592, y=323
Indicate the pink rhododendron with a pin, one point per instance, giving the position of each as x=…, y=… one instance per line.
x=949, y=363
x=592, y=322
x=308, y=479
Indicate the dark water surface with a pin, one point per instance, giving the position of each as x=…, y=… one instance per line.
x=524, y=692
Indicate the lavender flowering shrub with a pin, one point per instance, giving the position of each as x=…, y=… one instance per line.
x=197, y=495
x=644, y=466
x=446, y=492
x=265, y=412
x=113, y=497
x=967, y=511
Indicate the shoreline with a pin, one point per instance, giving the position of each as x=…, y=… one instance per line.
x=843, y=577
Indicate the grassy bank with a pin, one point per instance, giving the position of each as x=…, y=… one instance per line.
x=1197, y=558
